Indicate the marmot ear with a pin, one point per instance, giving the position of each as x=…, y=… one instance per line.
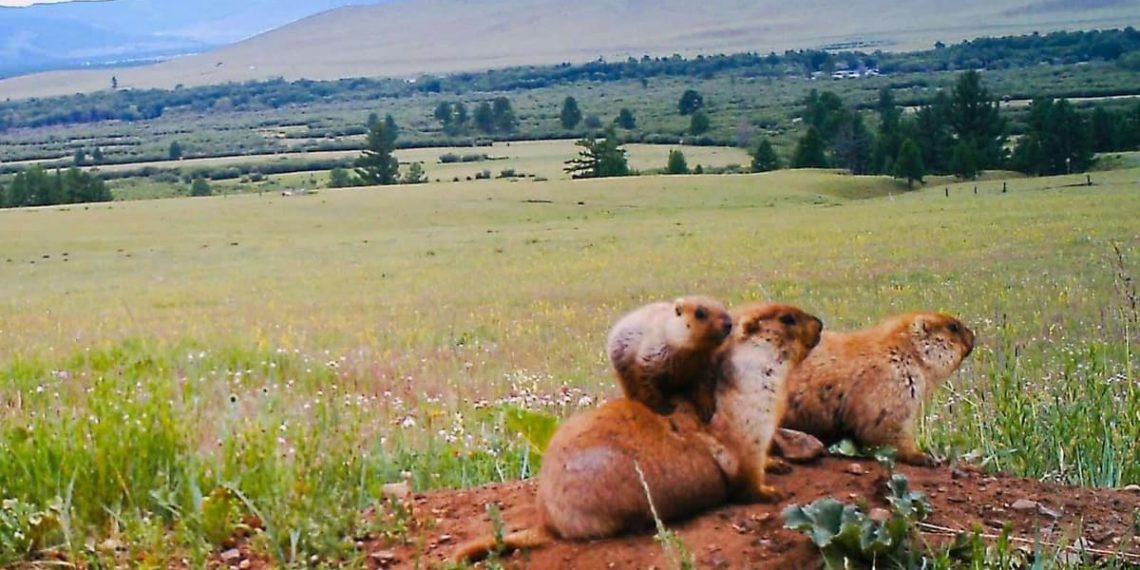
x=919, y=327
x=678, y=307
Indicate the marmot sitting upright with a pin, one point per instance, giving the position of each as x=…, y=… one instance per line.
x=769, y=340
x=665, y=350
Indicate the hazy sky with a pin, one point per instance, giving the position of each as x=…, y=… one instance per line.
x=27, y=2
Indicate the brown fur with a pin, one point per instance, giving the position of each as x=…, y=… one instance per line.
x=589, y=486
x=768, y=341
x=871, y=384
x=664, y=350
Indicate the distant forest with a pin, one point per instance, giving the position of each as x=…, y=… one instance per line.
x=1119, y=46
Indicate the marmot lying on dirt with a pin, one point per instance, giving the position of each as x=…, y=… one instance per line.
x=600, y=463
x=871, y=384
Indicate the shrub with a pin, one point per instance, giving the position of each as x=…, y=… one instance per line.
x=200, y=187
x=845, y=534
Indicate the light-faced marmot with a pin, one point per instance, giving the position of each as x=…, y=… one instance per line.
x=589, y=485
x=664, y=350
x=768, y=342
x=871, y=384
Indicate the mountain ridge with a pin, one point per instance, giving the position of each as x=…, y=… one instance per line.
x=408, y=38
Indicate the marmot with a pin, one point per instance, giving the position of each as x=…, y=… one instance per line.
x=871, y=384
x=663, y=350
x=752, y=367
x=589, y=486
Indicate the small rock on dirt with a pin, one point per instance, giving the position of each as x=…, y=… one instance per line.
x=855, y=469
x=385, y=558
x=400, y=492
x=718, y=561
x=798, y=446
x=231, y=555
x=1132, y=489
x=1024, y=505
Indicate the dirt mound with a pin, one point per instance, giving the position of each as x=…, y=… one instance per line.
x=738, y=536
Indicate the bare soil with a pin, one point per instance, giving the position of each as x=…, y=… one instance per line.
x=750, y=536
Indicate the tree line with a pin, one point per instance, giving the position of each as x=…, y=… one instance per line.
x=1121, y=46
x=36, y=187
x=962, y=132
x=489, y=117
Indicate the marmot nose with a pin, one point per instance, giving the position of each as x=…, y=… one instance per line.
x=727, y=325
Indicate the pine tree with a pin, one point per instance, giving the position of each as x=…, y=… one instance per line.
x=825, y=112
x=764, y=157
x=377, y=164
x=1059, y=140
x=677, y=163
x=571, y=115
x=626, y=120
x=908, y=165
x=973, y=117
x=599, y=158
x=931, y=132
x=964, y=161
x=699, y=123
x=1105, y=131
x=853, y=143
x=890, y=132
x=484, y=118
x=809, y=151
x=691, y=101
x=504, y=116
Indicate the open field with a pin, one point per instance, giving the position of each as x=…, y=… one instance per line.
x=544, y=158
x=173, y=368
x=535, y=160
x=409, y=39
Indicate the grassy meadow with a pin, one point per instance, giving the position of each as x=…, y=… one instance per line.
x=172, y=370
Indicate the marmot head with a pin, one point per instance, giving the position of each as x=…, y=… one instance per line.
x=941, y=340
x=706, y=321
x=789, y=328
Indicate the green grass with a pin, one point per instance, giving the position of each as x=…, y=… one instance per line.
x=191, y=363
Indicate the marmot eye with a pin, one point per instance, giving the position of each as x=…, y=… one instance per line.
x=954, y=328
x=788, y=320
x=701, y=313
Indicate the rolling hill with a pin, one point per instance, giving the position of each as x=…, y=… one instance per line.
x=105, y=32
x=412, y=37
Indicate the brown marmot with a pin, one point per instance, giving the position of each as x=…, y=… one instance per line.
x=769, y=341
x=663, y=350
x=590, y=485
x=871, y=384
